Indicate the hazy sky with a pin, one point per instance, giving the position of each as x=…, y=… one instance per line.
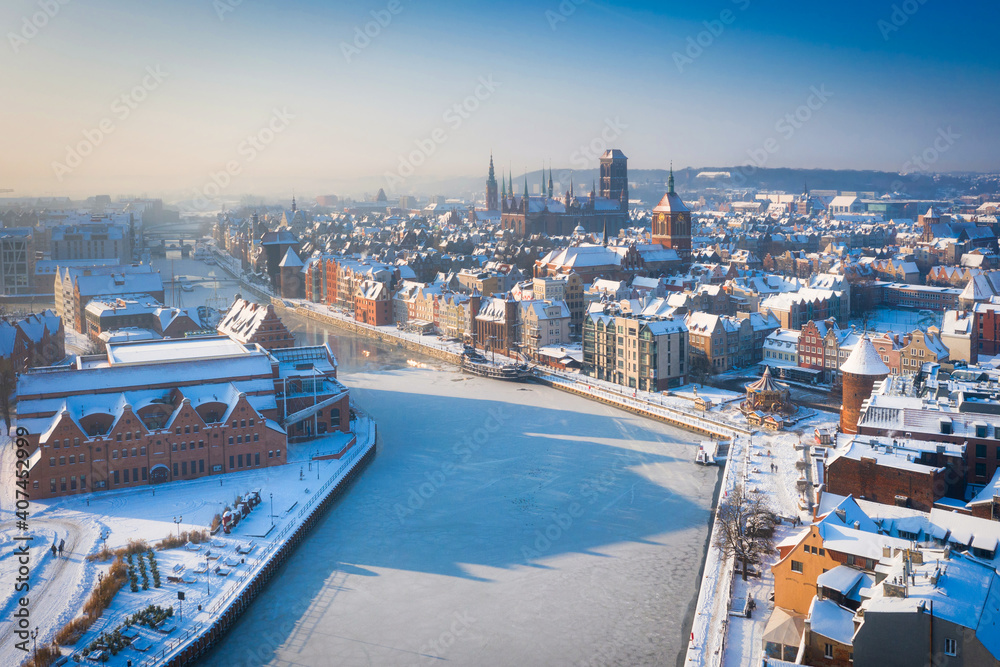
x=154, y=97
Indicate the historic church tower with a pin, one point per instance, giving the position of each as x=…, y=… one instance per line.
x=492, y=197
x=672, y=222
x=614, y=176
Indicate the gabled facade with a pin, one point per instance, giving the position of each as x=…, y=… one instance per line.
x=255, y=324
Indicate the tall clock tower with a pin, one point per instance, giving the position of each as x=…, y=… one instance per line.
x=672, y=222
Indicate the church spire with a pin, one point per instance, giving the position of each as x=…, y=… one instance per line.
x=670, y=181
x=550, y=180
x=492, y=203
x=525, y=199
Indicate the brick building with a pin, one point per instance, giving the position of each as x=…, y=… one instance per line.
x=496, y=324
x=253, y=323
x=907, y=473
x=373, y=303
x=986, y=320
x=334, y=280
x=36, y=340
x=153, y=412
x=795, y=309
x=724, y=342
x=968, y=416
x=924, y=297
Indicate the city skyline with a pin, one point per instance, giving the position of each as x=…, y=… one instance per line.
x=265, y=98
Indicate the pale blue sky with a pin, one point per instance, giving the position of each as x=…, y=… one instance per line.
x=560, y=72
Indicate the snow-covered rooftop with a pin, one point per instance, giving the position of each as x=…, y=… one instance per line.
x=829, y=619
x=864, y=360
x=174, y=349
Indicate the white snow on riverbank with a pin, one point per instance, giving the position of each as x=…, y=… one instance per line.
x=60, y=585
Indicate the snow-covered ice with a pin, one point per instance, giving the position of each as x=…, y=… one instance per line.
x=500, y=524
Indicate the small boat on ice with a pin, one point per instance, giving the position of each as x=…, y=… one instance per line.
x=708, y=453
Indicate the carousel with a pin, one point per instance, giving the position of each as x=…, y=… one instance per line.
x=767, y=403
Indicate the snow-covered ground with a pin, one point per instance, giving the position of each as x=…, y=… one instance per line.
x=899, y=320
x=739, y=641
x=500, y=524
x=61, y=584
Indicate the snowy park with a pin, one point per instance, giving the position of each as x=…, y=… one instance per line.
x=208, y=574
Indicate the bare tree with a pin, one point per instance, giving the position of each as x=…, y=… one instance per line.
x=8, y=383
x=699, y=368
x=746, y=526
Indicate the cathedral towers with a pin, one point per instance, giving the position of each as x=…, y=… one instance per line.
x=614, y=176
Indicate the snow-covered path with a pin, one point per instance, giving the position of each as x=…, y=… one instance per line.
x=499, y=524
x=56, y=581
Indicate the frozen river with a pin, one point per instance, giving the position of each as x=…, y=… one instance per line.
x=500, y=524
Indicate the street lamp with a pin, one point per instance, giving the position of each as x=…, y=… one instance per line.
x=177, y=520
x=272, y=509
x=34, y=644
x=208, y=577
